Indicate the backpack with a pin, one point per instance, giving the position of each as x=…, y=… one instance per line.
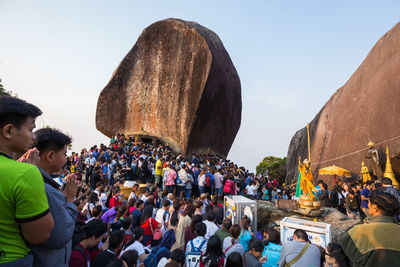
x=193, y=257
x=228, y=186
x=151, y=260
x=207, y=181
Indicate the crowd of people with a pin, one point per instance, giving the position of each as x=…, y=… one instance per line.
x=61, y=210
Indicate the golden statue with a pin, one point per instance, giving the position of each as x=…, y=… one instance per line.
x=374, y=156
x=306, y=181
x=364, y=173
x=388, y=170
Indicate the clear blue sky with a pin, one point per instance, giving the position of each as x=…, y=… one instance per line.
x=291, y=56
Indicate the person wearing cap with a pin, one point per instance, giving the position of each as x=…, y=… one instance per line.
x=375, y=243
x=254, y=256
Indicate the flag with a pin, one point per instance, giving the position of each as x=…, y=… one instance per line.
x=298, y=190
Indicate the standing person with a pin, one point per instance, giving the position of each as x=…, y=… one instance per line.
x=136, y=244
x=25, y=209
x=171, y=177
x=300, y=252
x=335, y=256
x=184, y=222
x=272, y=247
x=225, y=230
x=388, y=188
x=213, y=256
x=234, y=259
x=56, y=251
x=245, y=235
x=202, y=178
x=114, y=200
x=95, y=177
x=231, y=243
x=149, y=225
x=365, y=197
x=375, y=243
x=159, y=171
x=89, y=162
x=324, y=196
x=210, y=223
x=218, y=179
x=162, y=216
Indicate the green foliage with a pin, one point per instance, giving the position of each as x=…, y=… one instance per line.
x=275, y=166
x=2, y=90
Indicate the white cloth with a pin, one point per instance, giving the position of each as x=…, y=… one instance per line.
x=202, y=179
x=103, y=200
x=211, y=229
x=135, y=246
x=163, y=261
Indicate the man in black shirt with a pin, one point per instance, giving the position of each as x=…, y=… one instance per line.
x=115, y=242
x=96, y=177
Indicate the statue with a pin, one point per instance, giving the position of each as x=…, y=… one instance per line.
x=364, y=173
x=374, y=156
x=306, y=181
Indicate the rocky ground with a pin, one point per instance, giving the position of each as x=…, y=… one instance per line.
x=268, y=214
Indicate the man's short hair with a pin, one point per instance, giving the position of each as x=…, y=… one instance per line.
x=211, y=215
x=178, y=255
x=386, y=181
x=166, y=203
x=200, y=228
x=369, y=182
x=15, y=111
x=256, y=244
x=301, y=234
x=95, y=227
x=116, y=239
x=48, y=139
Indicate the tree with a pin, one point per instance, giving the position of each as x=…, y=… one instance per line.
x=2, y=90
x=275, y=166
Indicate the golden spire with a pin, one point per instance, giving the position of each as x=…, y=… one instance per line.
x=388, y=169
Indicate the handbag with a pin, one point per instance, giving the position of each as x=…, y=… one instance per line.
x=156, y=233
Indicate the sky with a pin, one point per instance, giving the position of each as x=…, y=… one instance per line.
x=291, y=56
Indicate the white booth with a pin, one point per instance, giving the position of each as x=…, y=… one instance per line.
x=235, y=207
x=319, y=233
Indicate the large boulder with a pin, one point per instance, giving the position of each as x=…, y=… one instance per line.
x=366, y=108
x=177, y=85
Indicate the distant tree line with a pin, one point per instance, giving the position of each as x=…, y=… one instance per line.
x=274, y=167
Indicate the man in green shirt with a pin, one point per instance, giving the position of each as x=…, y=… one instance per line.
x=226, y=229
x=24, y=209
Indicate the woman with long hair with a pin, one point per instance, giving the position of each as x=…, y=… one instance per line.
x=190, y=232
x=184, y=221
x=213, y=256
x=231, y=243
x=149, y=225
x=245, y=235
x=234, y=259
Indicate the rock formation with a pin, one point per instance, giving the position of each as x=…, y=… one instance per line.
x=177, y=85
x=366, y=108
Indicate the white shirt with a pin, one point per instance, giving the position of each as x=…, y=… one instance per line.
x=135, y=246
x=90, y=161
x=131, y=195
x=211, y=229
x=251, y=190
x=103, y=200
x=202, y=179
x=159, y=215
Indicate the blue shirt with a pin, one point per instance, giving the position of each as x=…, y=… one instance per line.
x=364, y=203
x=273, y=253
x=244, y=239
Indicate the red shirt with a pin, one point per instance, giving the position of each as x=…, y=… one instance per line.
x=146, y=226
x=114, y=202
x=77, y=258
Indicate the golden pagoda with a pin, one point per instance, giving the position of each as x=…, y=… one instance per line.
x=388, y=169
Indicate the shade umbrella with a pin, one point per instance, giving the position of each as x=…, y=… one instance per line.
x=334, y=170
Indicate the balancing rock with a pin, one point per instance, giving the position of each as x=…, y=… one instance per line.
x=176, y=85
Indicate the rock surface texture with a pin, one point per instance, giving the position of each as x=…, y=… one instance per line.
x=177, y=85
x=366, y=108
